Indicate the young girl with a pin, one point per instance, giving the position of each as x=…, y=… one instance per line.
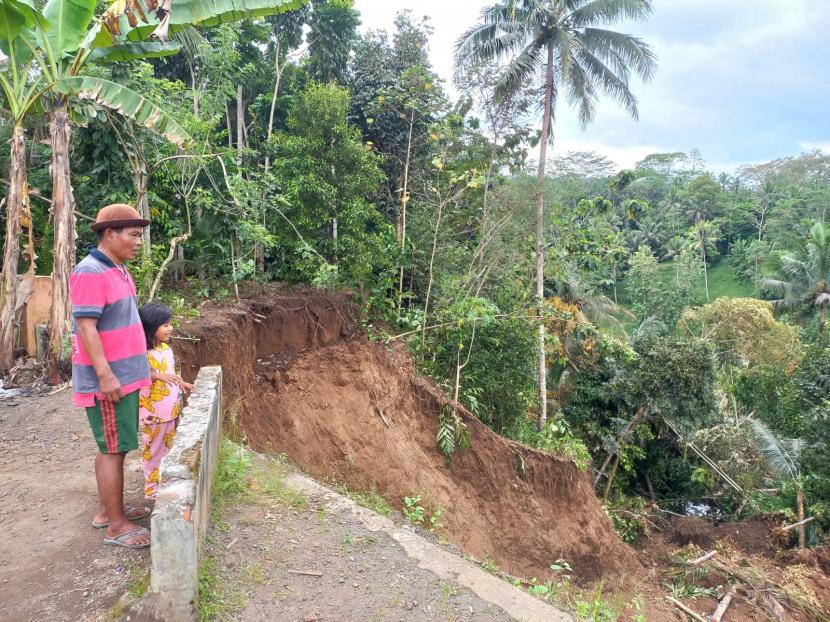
x=159, y=404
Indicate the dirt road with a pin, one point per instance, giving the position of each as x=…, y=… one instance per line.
x=52, y=563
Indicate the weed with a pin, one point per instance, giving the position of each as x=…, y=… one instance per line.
x=681, y=590
x=448, y=590
x=140, y=581
x=596, y=609
x=232, y=472
x=255, y=573
x=350, y=542
x=116, y=612
x=416, y=514
x=275, y=488
x=369, y=499
x=490, y=566
x=216, y=598
x=398, y=598
x=413, y=511
x=435, y=519
x=321, y=514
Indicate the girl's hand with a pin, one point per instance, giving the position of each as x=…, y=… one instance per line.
x=171, y=379
x=185, y=386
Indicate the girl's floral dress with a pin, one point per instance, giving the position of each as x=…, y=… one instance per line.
x=159, y=409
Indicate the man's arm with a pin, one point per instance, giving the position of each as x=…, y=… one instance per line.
x=91, y=340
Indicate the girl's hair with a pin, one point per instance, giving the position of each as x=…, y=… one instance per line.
x=153, y=315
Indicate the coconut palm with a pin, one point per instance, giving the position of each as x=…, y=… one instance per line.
x=574, y=288
x=703, y=236
x=782, y=457
x=804, y=286
x=561, y=46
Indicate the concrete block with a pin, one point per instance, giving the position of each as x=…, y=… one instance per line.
x=182, y=513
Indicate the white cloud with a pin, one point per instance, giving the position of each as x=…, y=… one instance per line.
x=741, y=80
x=812, y=146
x=623, y=157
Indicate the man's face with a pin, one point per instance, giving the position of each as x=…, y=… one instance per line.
x=124, y=244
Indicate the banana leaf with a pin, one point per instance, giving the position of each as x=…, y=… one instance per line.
x=133, y=51
x=186, y=13
x=68, y=24
x=128, y=103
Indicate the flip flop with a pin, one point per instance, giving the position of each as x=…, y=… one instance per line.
x=119, y=540
x=142, y=513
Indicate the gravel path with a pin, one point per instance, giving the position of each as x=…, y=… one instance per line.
x=280, y=555
x=53, y=565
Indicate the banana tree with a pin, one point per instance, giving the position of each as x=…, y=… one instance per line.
x=62, y=45
x=67, y=40
x=21, y=93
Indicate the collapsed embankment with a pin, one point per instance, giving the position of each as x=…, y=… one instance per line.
x=300, y=380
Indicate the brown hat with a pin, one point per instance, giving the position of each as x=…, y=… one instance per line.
x=116, y=216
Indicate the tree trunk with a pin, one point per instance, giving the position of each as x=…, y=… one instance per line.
x=705, y=268
x=799, y=509
x=142, y=203
x=228, y=124
x=431, y=274
x=404, y=201
x=540, y=239
x=278, y=76
x=240, y=125
x=63, y=218
x=17, y=203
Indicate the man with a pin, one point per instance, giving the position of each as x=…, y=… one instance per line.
x=109, y=364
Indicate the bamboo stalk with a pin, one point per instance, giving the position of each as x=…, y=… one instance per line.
x=800, y=523
x=723, y=605
x=685, y=609
x=703, y=558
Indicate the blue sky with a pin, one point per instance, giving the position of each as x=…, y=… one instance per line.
x=744, y=81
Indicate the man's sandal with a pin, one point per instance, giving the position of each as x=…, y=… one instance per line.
x=132, y=513
x=119, y=540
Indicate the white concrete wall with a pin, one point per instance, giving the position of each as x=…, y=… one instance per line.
x=182, y=513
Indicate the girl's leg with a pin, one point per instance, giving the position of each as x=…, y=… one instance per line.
x=152, y=444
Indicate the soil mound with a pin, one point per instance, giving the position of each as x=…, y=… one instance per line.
x=300, y=380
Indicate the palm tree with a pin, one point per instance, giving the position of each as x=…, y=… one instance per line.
x=782, y=457
x=804, y=286
x=702, y=235
x=560, y=46
x=574, y=288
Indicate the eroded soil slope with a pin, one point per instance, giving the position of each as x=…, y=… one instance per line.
x=299, y=380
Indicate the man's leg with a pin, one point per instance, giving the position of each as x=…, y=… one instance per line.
x=109, y=471
x=115, y=427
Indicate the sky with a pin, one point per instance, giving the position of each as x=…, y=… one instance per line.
x=743, y=81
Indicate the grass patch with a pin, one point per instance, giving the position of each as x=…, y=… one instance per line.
x=276, y=489
x=116, y=612
x=723, y=284
x=369, y=499
x=217, y=597
x=233, y=473
x=140, y=581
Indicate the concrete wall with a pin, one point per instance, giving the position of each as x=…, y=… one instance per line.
x=35, y=300
x=182, y=513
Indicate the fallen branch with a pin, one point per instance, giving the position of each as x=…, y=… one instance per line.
x=685, y=609
x=723, y=605
x=798, y=524
x=382, y=418
x=703, y=558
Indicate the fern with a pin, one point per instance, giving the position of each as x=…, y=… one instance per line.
x=446, y=435
x=452, y=434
